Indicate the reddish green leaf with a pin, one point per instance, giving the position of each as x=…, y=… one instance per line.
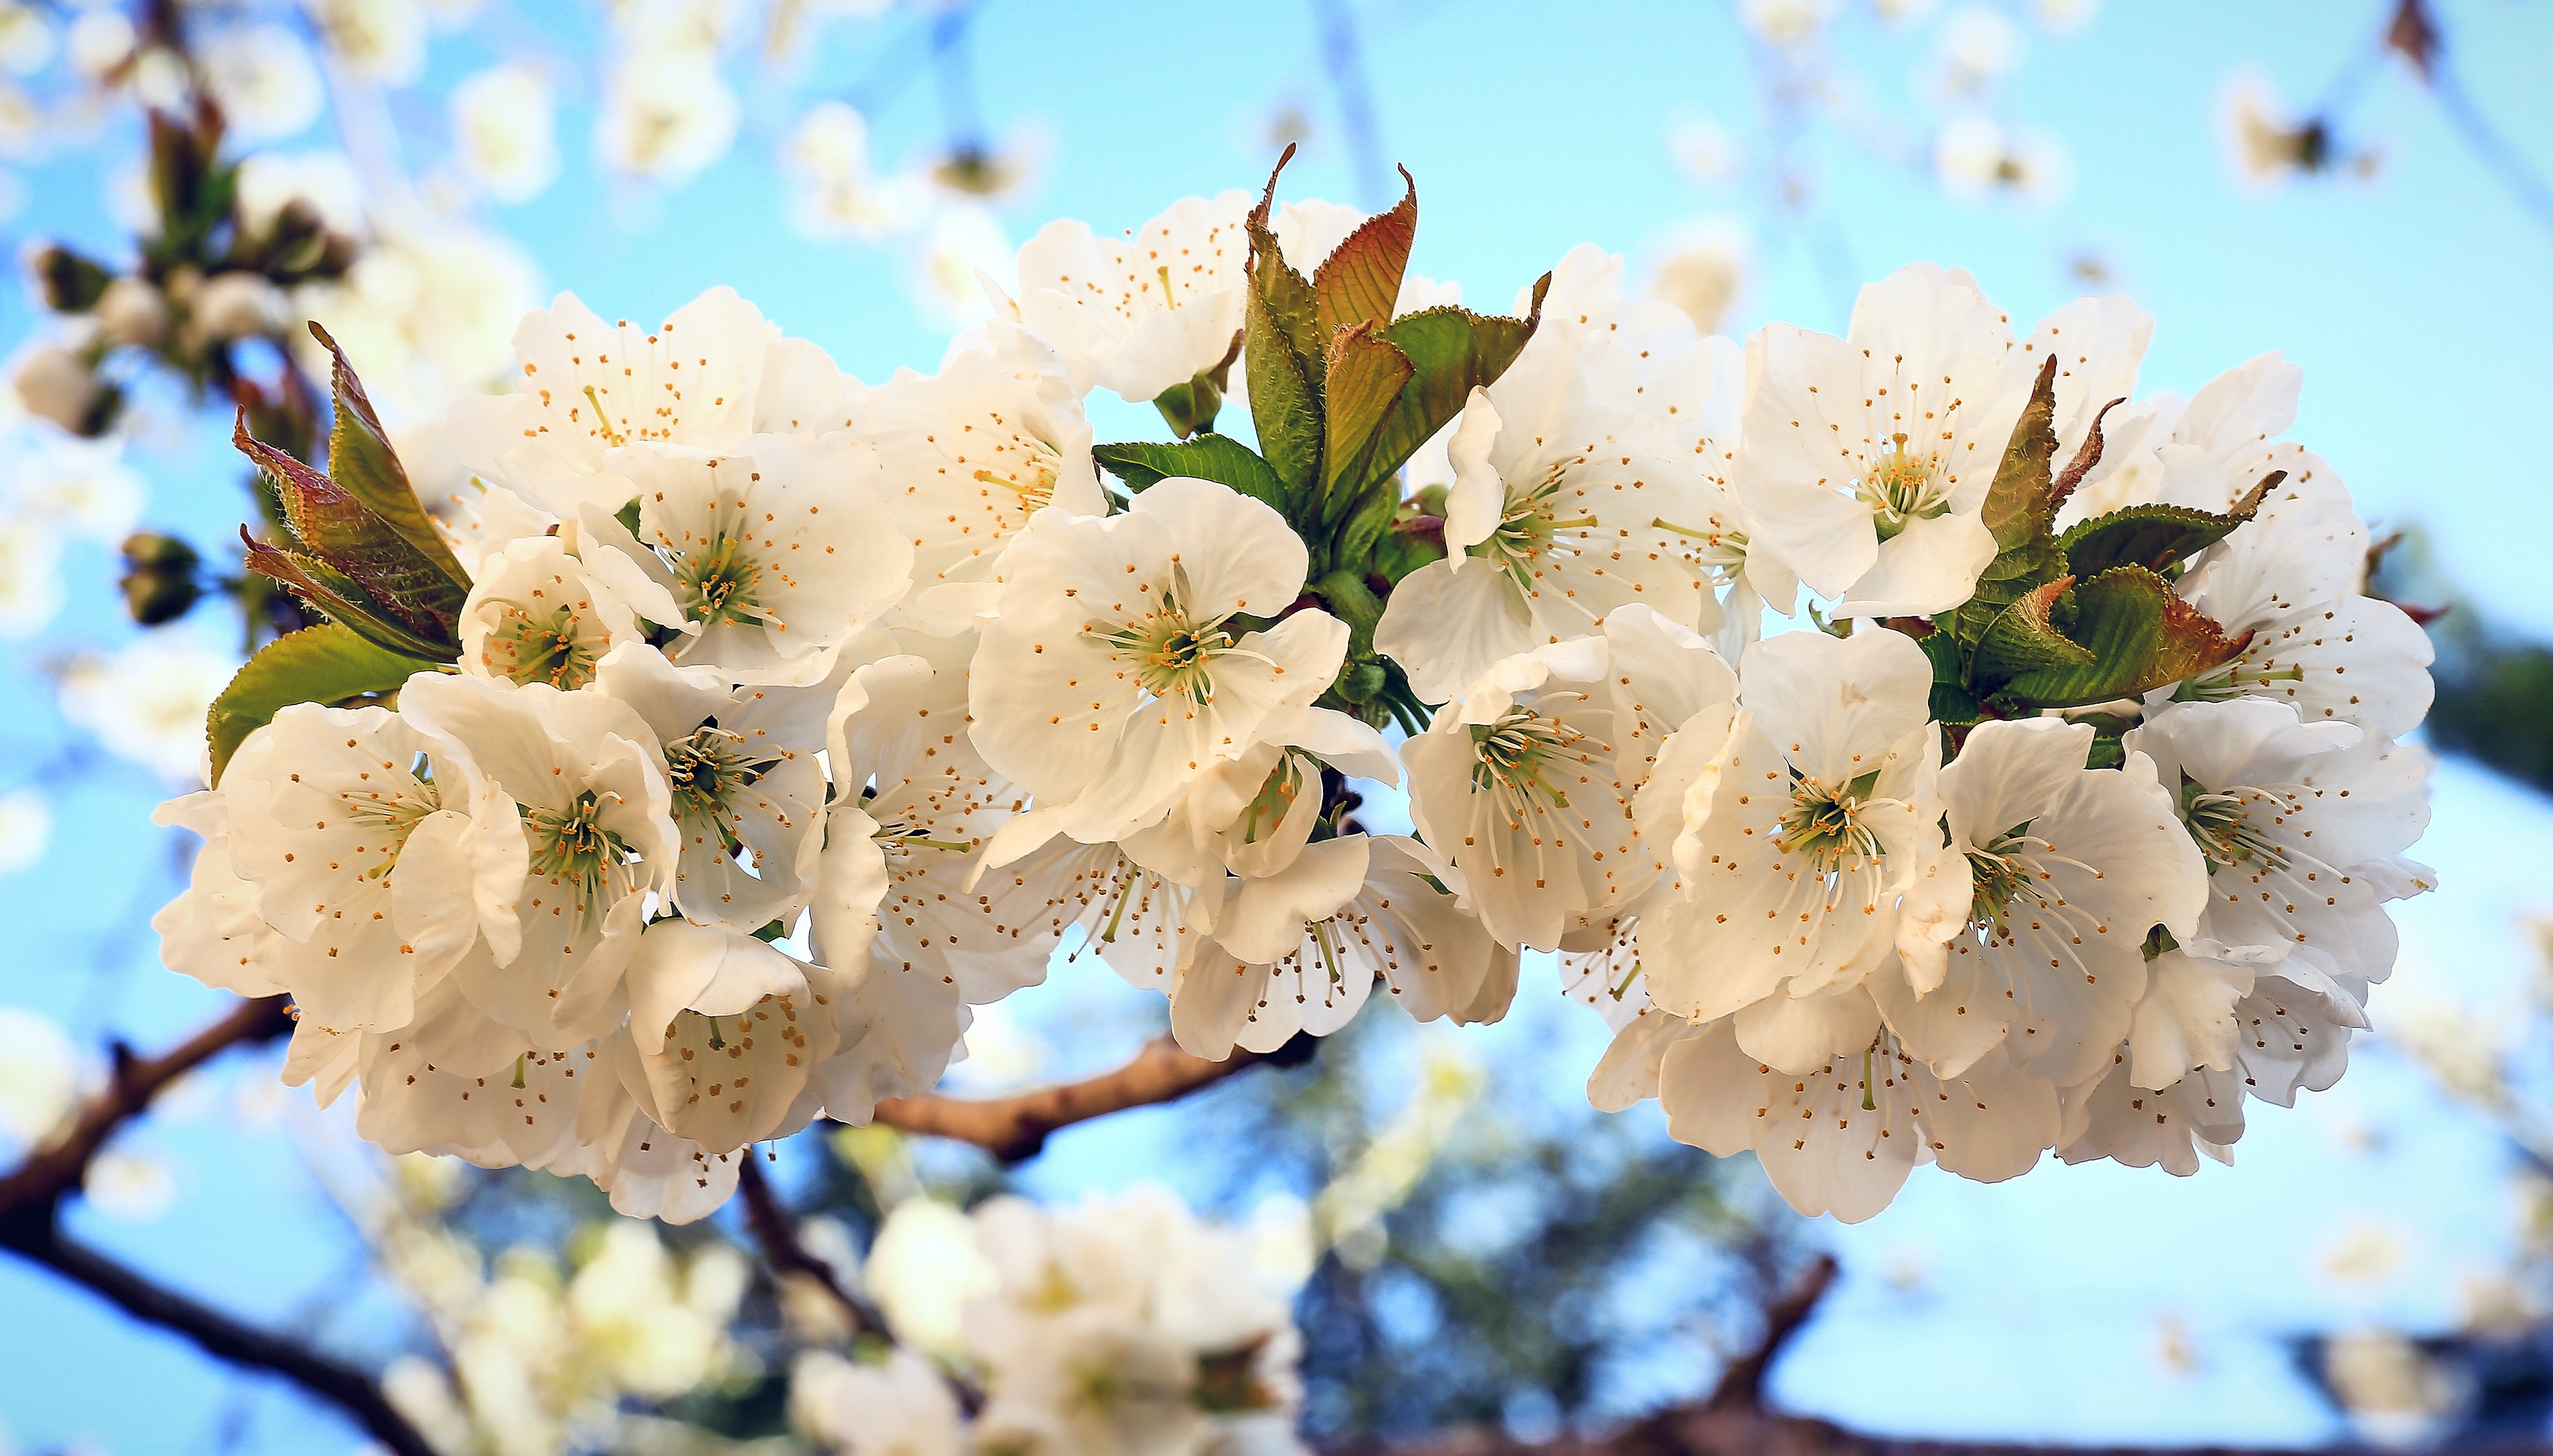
x=2140, y=635
x=1360, y=281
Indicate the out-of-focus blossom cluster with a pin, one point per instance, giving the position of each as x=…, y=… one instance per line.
x=538, y=1355
x=1122, y=1327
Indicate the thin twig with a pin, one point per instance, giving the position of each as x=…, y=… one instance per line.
x=1015, y=1128
x=778, y=1234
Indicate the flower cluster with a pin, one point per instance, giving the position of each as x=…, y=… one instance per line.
x=1121, y=1329
x=693, y=772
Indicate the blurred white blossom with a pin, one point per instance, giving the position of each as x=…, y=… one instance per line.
x=835, y=193
x=1784, y=22
x=504, y=131
x=265, y=79
x=99, y=40
x=31, y=580
x=132, y=1187
x=542, y=1358
x=27, y=39
x=962, y=240
x=235, y=305
x=53, y=380
x=2061, y=17
x=38, y=1073
x=325, y=181
x=1975, y=157
x=1976, y=48
x=2394, y=1395
x=1702, y=273
x=1703, y=151
x=922, y=1269
x=426, y=315
x=146, y=700
x=896, y=1406
x=667, y=113
x=381, y=40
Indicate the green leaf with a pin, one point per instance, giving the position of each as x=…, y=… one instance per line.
x=1285, y=408
x=2141, y=634
x=1366, y=376
x=326, y=663
x=361, y=462
x=1360, y=281
x=342, y=599
x=1221, y=457
x=1451, y=351
x=1289, y=310
x=2024, y=638
x=2010, y=576
x=1955, y=706
x=1952, y=704
x=401, y=582
x=2155, y=537
x=2018, y=508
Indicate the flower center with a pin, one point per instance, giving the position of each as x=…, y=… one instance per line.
x=706, y=768
x=1524, y=533
x=1717, y=553
x=718, y=583
x=1900, y=487
x=1173, y=653
x=395, y=814
x=572, y=847
x=2221, y=823
x=1513, y=758
x=557, y=647
x=1826, y=824
x=1032, y=478
x=1997, y=877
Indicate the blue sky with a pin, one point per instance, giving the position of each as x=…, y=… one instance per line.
x=2415, y=301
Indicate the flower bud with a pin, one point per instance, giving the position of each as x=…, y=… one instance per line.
x=159, y=582
x=71, y=283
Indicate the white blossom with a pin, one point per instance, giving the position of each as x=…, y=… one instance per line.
x=1867, y=458
x=1140, y=313
x=1108, y=680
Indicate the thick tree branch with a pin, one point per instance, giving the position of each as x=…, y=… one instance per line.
x=1015, y=1128
x=31, y=1197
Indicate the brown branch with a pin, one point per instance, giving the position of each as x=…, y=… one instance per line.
x=778, y=1235
x=1741, y=1384
x=777, y=1232
x=1015, y=1128
x=32, y=1195
x=36, y=1187
x=219, y=1335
